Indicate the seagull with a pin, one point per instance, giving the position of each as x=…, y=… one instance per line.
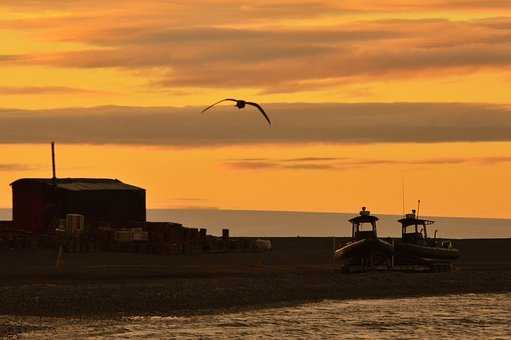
x=240, y=104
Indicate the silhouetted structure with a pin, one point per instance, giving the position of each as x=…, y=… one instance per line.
x=38, y=203
x=416, y=246
x=365, y=250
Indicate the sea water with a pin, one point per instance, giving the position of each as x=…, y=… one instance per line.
x=470, y=316
x=282, y=223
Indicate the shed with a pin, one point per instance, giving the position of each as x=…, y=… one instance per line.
x=38, y=203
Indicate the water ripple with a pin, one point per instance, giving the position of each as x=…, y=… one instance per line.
x=468, y=316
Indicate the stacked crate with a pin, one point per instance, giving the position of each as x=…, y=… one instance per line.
x=133, y=240
x=166, y=238
x=192, y=244
x=73, y=236
x=12, y=238
x=105, y=237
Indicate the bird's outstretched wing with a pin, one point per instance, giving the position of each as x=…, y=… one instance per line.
x=262, y=111
x=223, y=100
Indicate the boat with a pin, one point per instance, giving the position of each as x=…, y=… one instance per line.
x=365, y=250
x=416, y=247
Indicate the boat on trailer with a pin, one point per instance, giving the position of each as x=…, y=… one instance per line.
x=416, y=247
x=365, y=251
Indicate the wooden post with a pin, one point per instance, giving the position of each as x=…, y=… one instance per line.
x=203, y=233
x=392, y=258
x=60, y=262
x=333, y=253
x=225, y=234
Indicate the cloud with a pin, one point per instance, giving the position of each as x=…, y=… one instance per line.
x=292, y=124
x=273, y=57
x=35, y=90
x=246, y=165
x=15, y=167
x=493, y=160
x=263, y=8
x=189, y=199
x=87, y=15
x=303, y=163
x=340, y=164
x=8, y=58
x=276, y=68
x=421, y=5
x=312, y=159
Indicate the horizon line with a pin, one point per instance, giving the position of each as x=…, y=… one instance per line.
x=309, y=212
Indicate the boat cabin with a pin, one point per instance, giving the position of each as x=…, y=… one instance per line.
x=364, y=225
x=413, y=228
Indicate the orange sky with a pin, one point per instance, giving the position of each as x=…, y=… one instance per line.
x=81, y=54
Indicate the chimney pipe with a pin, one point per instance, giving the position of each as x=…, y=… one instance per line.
x=54, y=177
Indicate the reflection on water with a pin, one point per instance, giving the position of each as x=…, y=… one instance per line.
x=455, y=316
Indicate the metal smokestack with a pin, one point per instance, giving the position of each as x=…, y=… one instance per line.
x=54, y=177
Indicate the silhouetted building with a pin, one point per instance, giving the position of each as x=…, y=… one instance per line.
x=38, y=203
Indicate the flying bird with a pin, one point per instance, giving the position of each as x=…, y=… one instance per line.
x=240, y=104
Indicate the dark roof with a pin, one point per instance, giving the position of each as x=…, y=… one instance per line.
x=413, y=221
x=364, y=219
x=80, y=184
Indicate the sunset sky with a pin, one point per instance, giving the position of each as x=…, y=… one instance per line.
x=363, y=95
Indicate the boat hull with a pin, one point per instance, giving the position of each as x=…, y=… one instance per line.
x=427, y=253
x=363, y=248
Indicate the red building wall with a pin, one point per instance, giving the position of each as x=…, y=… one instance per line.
x=38, y=204
x=28, y=207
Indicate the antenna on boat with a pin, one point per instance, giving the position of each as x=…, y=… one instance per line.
x=418, y=207
x=403, y=192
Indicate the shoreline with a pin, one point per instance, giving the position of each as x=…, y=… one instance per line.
x=298, y=270
x=185, y=295
x=12, y=326
x=242, y=308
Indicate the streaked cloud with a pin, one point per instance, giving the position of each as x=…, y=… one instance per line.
x=246, y=45
x=353, y=163
x=282, y=60
x=35, y=90
x=292, y=124
x=263, y=8
x=244, y=165
x=12, y=167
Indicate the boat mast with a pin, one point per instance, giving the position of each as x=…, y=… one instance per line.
x=417, y=216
